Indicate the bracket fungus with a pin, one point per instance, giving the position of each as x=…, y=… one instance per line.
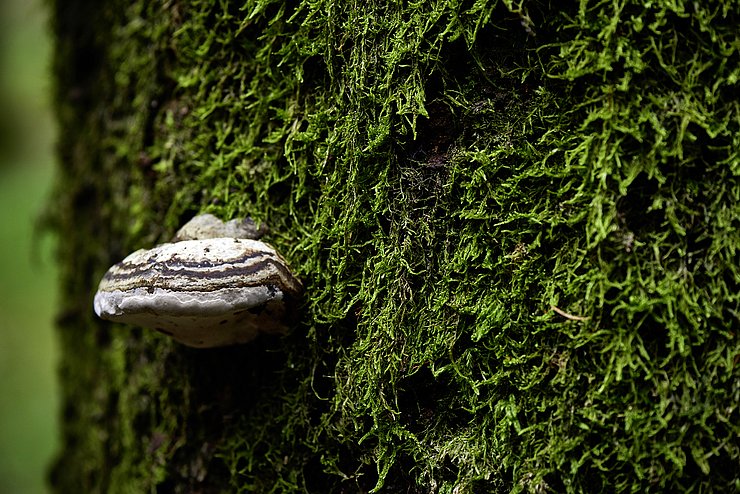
x=214, y=285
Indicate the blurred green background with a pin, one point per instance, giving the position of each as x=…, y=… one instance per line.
x=28, y=394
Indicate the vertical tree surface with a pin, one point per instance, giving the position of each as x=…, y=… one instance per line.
x=517, y=225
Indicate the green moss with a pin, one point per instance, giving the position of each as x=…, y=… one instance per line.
x=441, y=175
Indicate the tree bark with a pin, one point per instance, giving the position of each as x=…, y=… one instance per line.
x=517, y=227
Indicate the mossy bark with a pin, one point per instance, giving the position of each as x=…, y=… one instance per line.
x=517, y=226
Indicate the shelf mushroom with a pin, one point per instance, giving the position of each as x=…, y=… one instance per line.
x=213, y=285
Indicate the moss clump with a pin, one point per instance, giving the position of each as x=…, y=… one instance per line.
x=517, y=227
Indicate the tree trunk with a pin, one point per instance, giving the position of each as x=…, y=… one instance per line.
x=517, y=227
